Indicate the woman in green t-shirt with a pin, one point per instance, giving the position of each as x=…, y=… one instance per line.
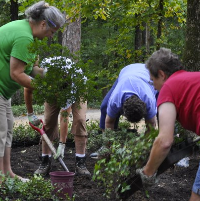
x=41, y=21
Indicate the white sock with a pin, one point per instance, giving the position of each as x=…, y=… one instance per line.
x=46, y=155
x=80, y=155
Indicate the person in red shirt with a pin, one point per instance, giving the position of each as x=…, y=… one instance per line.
x=179, y=99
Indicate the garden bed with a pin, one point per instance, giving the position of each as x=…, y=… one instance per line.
x=175, y=184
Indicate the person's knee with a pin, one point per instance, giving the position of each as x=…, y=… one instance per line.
x=79, y=127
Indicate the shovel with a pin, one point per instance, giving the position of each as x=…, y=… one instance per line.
x=49, y=143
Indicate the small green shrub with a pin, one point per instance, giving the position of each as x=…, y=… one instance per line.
x=95, y=104
x=24, y=135
x=126, y=151
x=92, y=126
x=18, y=97
x=20, y=110
x=95, y=136
x=37, y=188
x=124, y=124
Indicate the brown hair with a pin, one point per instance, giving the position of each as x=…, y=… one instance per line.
x=134, y=109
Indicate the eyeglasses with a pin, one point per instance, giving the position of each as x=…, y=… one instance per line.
x=52, y=23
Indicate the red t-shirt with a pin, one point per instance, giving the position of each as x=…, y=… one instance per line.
x=183, y=90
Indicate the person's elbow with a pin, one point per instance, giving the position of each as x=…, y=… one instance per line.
x=14, y=76
x=28, y=90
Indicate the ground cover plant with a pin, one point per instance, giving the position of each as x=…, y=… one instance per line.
x=175, y=184
x=108, y=173
x=125, y=152
x=21, y=110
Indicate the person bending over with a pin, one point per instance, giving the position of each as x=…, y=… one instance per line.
x=133, y=96
x=41, y=21
x=178, y=100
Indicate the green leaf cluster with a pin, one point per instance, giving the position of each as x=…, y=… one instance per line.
x=21, y=110
x=25, y=135
x=124, y=153
x=36, y=188
x=62, y=84
x=109, y=32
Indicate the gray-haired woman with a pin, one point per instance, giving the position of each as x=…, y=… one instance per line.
x=41, y=21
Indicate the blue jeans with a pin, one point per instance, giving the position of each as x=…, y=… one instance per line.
x=196, y=185
x=104, y=108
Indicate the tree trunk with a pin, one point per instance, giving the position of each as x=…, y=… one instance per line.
x=14, y=10
x=137, y=37
x=72, y=36
x=191, y=56
x=159, y=32
x=148, y=37
x=138, y=40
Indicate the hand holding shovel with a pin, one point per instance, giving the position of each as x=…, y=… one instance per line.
x=49, y=143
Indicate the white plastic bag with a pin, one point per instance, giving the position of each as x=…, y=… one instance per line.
x=183, y=162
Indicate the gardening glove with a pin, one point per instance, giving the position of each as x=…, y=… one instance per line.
x=60, y=151
x=33, y=119
x=147, y=181
x=44, y=72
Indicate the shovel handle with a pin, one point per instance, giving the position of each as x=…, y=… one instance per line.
x=53, y=150
x=49, y=143
x=44, y=136
x=63, y=164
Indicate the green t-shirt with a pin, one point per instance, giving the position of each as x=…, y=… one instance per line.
x=15, y=38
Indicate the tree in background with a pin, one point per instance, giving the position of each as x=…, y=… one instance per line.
x=119, y=32
x=129, y=32
x=192, y=46
x=14, y=10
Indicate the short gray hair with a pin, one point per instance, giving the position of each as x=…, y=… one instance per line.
x=42, y=11
x=164, y=60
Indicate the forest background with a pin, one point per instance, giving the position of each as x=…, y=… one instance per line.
x=110, y=34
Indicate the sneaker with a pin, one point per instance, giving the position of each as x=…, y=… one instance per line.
x=81, y=167
x=98, y=153
x=45, y=166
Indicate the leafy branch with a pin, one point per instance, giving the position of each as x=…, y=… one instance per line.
x=124, y=153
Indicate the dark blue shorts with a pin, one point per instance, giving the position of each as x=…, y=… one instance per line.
x=104, y=108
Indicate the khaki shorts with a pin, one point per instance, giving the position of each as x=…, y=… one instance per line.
x=51, y=113
x=79, y=119
x=6, y=124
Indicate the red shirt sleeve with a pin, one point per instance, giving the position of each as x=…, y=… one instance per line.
x=165, y=95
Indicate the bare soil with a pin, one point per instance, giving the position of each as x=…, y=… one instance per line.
x=174, y=185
